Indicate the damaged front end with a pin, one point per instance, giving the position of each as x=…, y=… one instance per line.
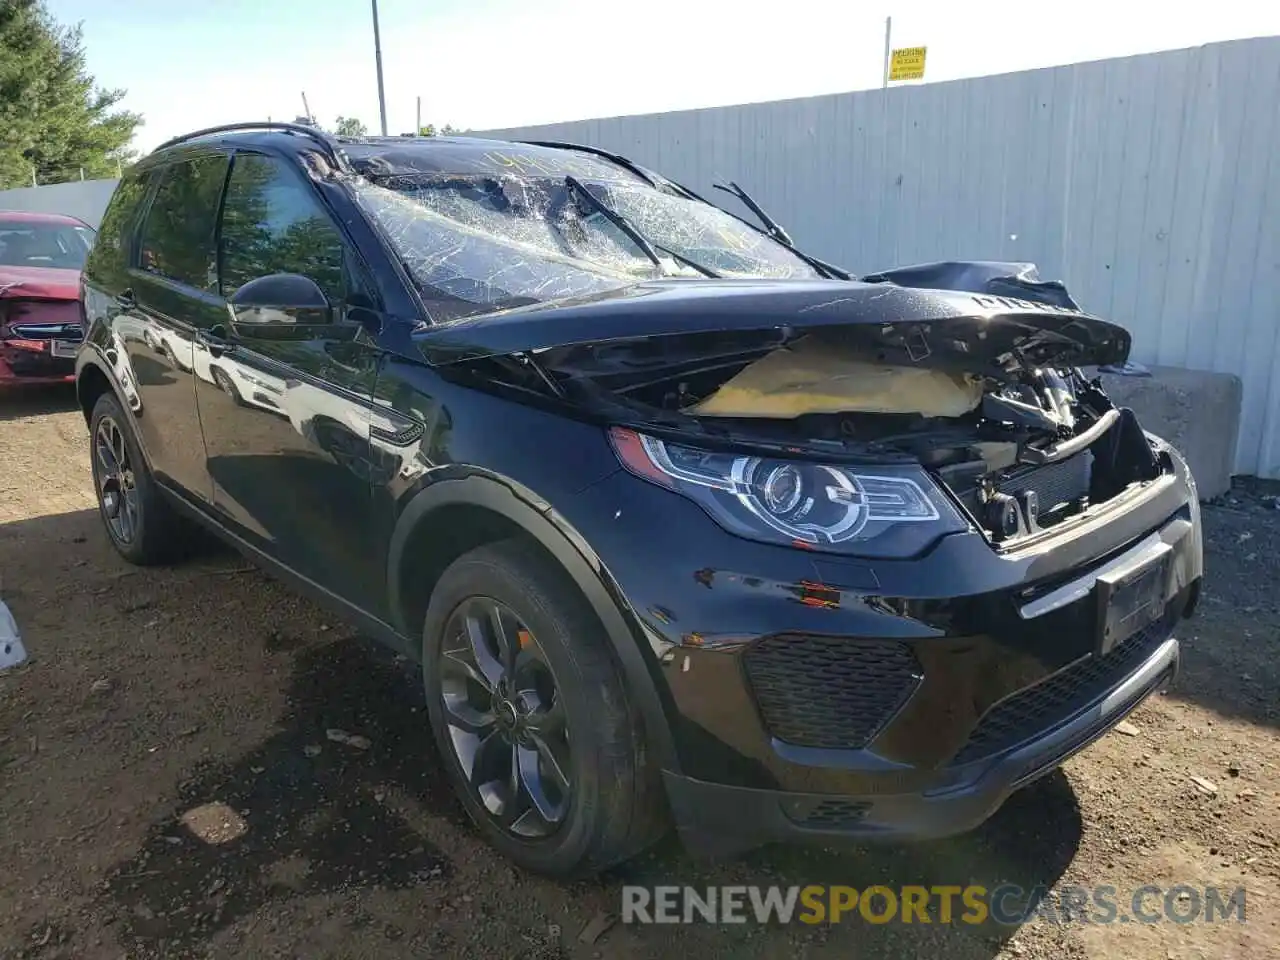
x=742, y=390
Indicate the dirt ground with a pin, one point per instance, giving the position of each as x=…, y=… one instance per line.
x=151, y=695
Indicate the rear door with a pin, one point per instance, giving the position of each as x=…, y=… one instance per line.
x=170, y=292
x=286, y=404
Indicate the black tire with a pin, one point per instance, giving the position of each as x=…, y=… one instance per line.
x=615, y=807
x=155, y=534
x=227, y=386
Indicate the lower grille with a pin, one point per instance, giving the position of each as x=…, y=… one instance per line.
x=28, y=363
x=829, y=692
x=832, y=814
x=1036, y=710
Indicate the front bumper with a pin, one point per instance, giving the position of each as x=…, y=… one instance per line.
x=817, y=697
x=32, y=361
x=721, y=818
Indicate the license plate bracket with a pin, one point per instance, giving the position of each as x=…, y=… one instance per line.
x=1132, y=598
x=63, y=348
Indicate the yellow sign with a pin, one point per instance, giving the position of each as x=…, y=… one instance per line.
x=907, y=64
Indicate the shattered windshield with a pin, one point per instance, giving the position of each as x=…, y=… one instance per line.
x=476, y=244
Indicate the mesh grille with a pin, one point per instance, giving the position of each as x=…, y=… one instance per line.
x=827, y=692
x=1035, y=710
x=834, y=813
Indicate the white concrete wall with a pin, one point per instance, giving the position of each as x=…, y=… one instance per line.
x=1150, y=185
x=86, y=199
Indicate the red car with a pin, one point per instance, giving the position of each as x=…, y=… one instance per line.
x=41, y=255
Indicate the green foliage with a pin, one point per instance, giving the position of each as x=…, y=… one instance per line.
x=52, y=116
x=263, y=235
x=448, y=130
x=350, y=127
x=177, y=239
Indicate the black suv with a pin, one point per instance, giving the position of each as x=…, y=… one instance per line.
x=682, y=523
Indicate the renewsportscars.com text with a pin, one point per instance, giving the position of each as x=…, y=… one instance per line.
x=1007, y=904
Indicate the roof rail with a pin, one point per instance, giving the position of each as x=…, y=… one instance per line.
x=324, y=140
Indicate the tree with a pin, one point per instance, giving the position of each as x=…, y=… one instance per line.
x=448, y=130
x=54, y=120
x=350, y=127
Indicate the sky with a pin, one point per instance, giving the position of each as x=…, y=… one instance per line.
x=482, y=64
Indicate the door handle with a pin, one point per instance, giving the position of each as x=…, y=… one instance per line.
x=125, y=300
x=215, y=339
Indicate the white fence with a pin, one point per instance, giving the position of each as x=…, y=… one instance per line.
x=1147, y=184
x=86, y=199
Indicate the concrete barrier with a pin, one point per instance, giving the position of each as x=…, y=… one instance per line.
x=1197, y=411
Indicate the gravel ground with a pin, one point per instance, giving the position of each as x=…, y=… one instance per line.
x=169, y=786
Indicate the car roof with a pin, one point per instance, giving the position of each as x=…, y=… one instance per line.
x=478, y=155
x=31, y=216
x=410, y=156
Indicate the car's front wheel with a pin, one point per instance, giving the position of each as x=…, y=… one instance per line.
x=227, y=386
x=529, y=709
x=140, y=522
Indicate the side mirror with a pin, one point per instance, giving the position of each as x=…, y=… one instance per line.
x=281, y=298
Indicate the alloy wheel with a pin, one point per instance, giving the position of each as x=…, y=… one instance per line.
x=505, y=718
x=117, y=486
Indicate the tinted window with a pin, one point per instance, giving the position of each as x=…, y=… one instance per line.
x=34, y=244
x=272, y=222
x=122, y=213
x=177, y=238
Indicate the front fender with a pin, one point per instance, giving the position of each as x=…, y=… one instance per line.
x=537, y=518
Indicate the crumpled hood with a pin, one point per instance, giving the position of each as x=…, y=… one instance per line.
x=44, y=283
x=975, y=332
x=997, y=277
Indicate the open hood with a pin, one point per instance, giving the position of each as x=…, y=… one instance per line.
x=974, y=333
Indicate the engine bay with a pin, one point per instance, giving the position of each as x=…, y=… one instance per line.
x=1022, y=448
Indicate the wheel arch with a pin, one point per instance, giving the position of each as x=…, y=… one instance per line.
x=453, y=516
x=91, y=383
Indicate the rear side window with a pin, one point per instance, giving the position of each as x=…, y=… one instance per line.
x=177, y=237
x=272, y=222
x=115, y=232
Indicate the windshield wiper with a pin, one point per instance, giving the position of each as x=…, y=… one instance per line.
x=773, y=229
x=575, y=186
x=692, y=264
x=635, y=236
x=596, y=152
x=771, y=226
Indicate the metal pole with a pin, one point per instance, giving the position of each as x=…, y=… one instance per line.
x=377, y=56
x=306, y=108
x=888, y=29
x=417, y=130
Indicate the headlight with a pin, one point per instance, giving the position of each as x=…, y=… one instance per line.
x=881, y=511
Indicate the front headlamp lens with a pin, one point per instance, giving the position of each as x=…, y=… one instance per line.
x=799, y=502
